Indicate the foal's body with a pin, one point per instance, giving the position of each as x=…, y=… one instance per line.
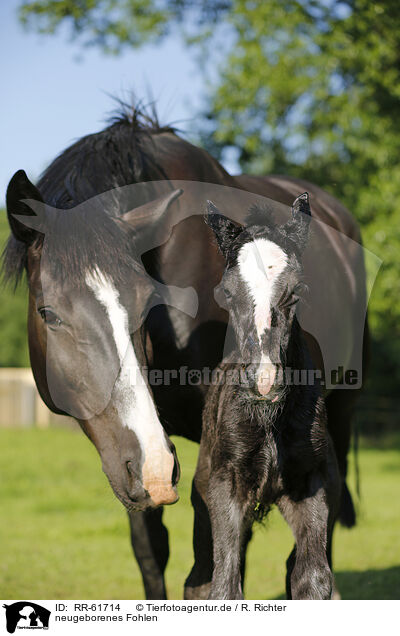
x=253, y=455
x=266, y=441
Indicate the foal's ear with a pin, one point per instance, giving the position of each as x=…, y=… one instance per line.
x=24, y=202
x=152, y=222
x=301, y=205
x=225, y=230
x=299, y=224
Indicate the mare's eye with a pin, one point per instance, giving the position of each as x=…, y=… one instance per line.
x=228, y=294
x=49, y=317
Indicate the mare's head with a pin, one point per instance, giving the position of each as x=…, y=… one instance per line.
x=262, y=284
x=88, y=297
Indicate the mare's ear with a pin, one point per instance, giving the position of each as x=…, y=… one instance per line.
x=225, y=230
x=298, y=227
x=23, y=201
x=152, y=222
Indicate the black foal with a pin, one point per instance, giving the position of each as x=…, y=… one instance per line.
x=265, y=438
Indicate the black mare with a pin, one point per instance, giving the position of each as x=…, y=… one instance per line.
x=89, y=288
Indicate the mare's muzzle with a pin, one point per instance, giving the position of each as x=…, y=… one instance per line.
x=160, y=474
x=141, y=478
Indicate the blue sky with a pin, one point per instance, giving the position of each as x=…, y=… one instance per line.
x=53, y=91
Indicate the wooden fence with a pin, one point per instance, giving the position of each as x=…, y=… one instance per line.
x=21, y=405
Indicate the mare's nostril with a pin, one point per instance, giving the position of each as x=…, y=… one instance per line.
x=135, y=489
x=176, y=473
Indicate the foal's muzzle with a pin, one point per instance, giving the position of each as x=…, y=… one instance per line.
x=264, y=380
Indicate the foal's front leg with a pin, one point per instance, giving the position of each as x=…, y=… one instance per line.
x=309, y=574
x=198, y=583
x=230, y=531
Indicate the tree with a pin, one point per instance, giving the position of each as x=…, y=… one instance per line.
x=115, y=24
x=306, y=87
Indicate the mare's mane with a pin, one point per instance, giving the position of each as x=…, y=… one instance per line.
x=85, y=236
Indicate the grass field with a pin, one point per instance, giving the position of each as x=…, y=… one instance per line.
x=64, y=535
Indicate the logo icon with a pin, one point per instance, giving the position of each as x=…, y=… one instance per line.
x=26, y=615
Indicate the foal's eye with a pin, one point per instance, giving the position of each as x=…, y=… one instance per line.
x=288, y=300
x=293, y=300
x=49, y=317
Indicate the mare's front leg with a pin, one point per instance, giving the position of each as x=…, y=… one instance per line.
x=149, y=538
x=310, y=518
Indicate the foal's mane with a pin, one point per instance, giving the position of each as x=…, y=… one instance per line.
x=260, y=218
x=119, y=155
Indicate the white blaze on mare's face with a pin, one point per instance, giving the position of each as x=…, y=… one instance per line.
x=132, y=398
x=260, y=264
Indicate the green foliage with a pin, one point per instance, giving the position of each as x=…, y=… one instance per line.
x=115, y=24
x=132, y=22
x=13, y=313
x=77, y=537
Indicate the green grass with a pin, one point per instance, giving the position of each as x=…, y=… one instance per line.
x=64, y=535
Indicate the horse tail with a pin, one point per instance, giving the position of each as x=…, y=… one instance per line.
x=347, y=513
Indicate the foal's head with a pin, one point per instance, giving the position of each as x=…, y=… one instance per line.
x=262, y=283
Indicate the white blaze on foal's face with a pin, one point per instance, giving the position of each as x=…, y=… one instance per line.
x=133, y=402
x=260, y=264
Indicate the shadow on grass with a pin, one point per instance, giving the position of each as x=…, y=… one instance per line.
x=386, y=441
x=370, y=585
x=378, y=585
